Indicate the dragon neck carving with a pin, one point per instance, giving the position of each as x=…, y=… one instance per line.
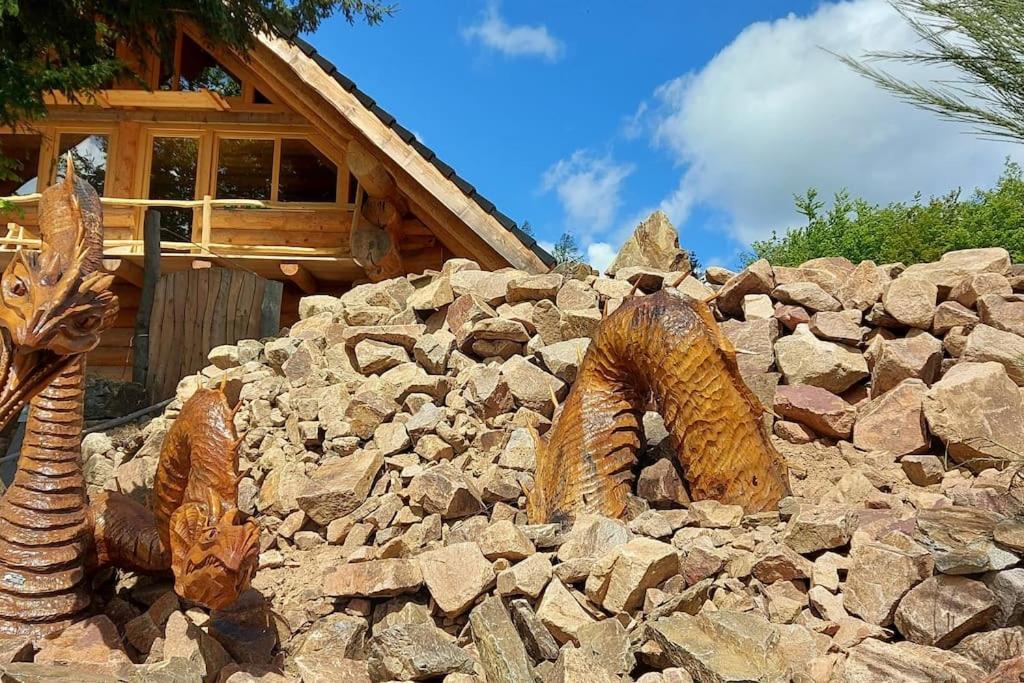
x=670, y=348
x=54, y=305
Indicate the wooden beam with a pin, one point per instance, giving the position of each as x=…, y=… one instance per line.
x=124, y=270
x=302, y=278
x=419, y=180
x=151, y=270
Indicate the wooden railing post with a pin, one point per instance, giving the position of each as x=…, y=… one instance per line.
x=207, y=221
x=151, y=273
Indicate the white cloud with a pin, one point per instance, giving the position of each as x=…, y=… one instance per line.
x=773, y=114
x=589, y=188
x=514, y=41
x=600, y=255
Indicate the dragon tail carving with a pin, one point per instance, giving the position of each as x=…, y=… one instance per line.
x=667, y=347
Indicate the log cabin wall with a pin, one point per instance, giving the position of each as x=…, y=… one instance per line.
x=243, y=135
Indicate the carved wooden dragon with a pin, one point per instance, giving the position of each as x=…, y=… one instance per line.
x=54, y=305
x=669, y=347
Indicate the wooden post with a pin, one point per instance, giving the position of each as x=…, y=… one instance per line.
x=270, y=310
x=207, y=221
x=150, y=276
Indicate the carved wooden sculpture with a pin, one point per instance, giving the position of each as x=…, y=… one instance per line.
x=54, y=305
x=195, y=528
x=668, y=347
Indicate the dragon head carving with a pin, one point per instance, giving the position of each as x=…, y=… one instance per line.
x=54, y=303
x=214, y=552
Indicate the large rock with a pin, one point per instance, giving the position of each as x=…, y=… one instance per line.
x=654, y=244
x=911, y=301
x=954, y=266
x=530, y=386
x=456, y=575
x=978, y=412
x=619, y=580
x=962, y=540
x=863, y=287
x=894, y=422
x=415, y=652
x=917, y=357
x=987, y=344
x=880, y=575
x=805, y=359
x=561, y=613
x=93, y=642
x=723, y=646
x=757, y=278
x=754, y=343
x=821, y=410
x=501, y=650
x=943, y=609
x=373, y=579
x=807, y=295
x=873, y=661
x=446, y=491
x=1003, y=312
x=340, y=486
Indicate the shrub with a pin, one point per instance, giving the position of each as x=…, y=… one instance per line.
x=917, y=232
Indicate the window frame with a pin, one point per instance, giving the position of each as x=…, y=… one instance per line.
x=203, y=155
x=107, y=131
x=340, y=195
x=49, y=137
x=219, y=137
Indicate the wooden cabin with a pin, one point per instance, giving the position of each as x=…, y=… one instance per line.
x=247, y=170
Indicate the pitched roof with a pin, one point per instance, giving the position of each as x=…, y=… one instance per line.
x=428, y=154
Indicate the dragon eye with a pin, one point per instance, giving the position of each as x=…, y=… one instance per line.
x=18, y=288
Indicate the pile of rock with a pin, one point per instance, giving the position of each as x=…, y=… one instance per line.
x=387, y=452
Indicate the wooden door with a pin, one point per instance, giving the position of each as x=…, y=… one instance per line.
x=196, y=310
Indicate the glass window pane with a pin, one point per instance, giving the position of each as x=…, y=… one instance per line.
x=172, y=175
x=18, y=171
x=200, y=70
x=89, y=153
x=244, y=169
x=306, y=174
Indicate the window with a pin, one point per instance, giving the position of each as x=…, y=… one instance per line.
x=306, y=175
x=89, y=154
x=172, y=175
x=245, y=168
x=19, y=171
x=259, y=98
x=198, y=70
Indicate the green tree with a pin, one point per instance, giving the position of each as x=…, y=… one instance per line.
x=915, y=232
x=66, y=46
x=566, y=250
x=982, y=42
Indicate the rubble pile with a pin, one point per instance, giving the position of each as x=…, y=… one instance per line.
x=388, y=450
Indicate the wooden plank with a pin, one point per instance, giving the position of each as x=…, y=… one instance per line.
x=151, y=275
x=302, y=278
x=156, y=336
x=211, y=288
x=252, y=330
x=163, y=99
x=417, y=178
x=218, y=333
x=270, y=309
x=244, y=311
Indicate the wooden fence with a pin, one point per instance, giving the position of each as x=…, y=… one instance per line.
x=196, y=310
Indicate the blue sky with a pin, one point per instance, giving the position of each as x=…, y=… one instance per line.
x=583, y=117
